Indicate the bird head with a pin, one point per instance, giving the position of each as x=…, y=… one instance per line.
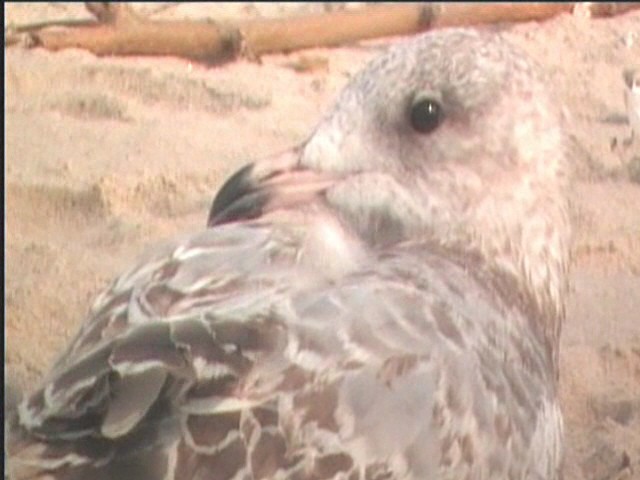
x=450, y=138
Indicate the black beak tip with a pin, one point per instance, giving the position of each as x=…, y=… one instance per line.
x=239, y=198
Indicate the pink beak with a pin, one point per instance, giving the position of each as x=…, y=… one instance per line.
x=278, y=182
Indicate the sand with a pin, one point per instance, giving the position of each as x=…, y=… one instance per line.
x=106, y=157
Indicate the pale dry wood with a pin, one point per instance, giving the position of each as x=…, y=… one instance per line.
x=119, y=31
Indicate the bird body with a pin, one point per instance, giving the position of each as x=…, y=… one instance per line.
x=382, y=302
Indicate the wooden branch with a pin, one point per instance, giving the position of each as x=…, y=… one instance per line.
x=120, y=31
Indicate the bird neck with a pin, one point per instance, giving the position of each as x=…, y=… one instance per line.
x=530, y=244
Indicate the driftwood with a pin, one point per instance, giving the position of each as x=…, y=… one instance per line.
x=120, y=31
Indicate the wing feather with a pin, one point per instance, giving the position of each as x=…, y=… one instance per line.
x=387, y=370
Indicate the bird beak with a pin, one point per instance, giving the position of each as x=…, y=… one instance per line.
x=278, y=182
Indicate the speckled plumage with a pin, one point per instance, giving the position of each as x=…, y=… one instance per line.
x=377, y=303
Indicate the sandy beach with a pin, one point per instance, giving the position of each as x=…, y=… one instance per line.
x=106, y=157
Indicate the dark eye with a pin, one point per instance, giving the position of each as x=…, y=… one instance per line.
x=425, y=115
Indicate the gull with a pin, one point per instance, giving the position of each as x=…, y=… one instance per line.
x=382, y=301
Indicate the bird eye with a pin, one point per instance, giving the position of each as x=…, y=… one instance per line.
x=425, y=115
